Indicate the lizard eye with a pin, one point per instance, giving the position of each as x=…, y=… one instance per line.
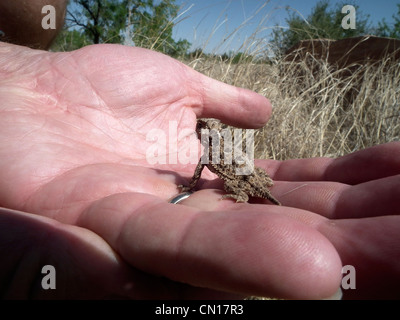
x=200, y=125
x=198, y=128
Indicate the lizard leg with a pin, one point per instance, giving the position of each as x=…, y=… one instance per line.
x=195, y=178
x=271, y=198
x=236, y=192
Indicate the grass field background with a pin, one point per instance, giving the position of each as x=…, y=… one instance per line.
x=316, y=111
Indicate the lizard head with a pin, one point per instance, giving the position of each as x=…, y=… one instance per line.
x=209, y=124
x=201, y=124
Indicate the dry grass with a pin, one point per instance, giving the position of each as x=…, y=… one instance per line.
x=320, y=112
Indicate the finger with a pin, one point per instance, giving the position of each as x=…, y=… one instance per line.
x=252, y=250
x=337, y=201
x=232, y=105
x=370, y=199
x=369, y=164
x=361, y=166
x=84, y=264
x=370, y=245
x=315, y=196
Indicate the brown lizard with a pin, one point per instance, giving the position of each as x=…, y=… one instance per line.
x=254, y=183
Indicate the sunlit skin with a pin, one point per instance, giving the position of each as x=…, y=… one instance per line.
x=73, y=141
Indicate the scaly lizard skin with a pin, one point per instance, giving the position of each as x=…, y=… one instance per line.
x=239, y=187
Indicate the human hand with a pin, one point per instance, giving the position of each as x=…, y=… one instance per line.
x=62, y=127
x=73, y=132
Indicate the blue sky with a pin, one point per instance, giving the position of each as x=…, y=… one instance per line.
x=223, y=25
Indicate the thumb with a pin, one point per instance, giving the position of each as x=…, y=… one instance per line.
x=232, y=105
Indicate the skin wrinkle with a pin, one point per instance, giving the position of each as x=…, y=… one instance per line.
x=182, y=250
x=184, y=234
x=48, y=101
x=199, y=88
x=135, y=219
x=31, y=198
x=92, y=124
x=330, y=198
x=313, y=257
x=384, y=163
x=196, y=94
x=74, y=107
x=53, y=211
x=179, y=246
x=59, y=60
x=317, y=222
x=71, y=141
x=369, y=203
x=85, y=217
x=258, y=122
x=32, y=69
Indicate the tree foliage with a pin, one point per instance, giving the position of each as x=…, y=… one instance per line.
x=385, y=30
x=153, y=25
x=323, y=22
x=99, y=20
x=68, y=40
x=148, y=23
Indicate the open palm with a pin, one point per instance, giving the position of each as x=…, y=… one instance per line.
x=82, y=122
